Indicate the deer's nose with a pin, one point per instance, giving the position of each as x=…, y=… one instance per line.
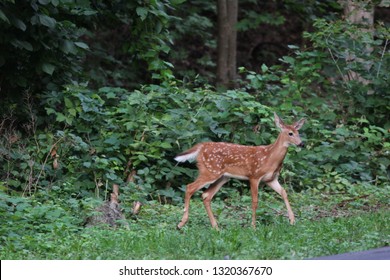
x=302, y=145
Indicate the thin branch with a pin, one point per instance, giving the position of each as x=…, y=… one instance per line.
x=44, y=163
x=383, y=53
x=335, y=62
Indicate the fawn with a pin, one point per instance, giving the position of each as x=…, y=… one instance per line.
x=218, y=162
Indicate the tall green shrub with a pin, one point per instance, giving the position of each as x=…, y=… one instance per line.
x=347, y=131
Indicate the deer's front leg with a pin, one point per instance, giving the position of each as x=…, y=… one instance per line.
x=254, y=183
x=274, y=184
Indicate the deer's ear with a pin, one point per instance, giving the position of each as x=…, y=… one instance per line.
x=299, y=124
x=278, y=121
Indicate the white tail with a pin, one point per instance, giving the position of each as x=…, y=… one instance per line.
x=218, y=162
x=189, y=155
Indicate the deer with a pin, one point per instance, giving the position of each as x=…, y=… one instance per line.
x=218, y=162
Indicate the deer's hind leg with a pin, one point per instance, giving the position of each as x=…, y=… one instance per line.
x=199, y=183
x=208, y=196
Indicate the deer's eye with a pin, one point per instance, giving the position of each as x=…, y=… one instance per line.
x=290, y=133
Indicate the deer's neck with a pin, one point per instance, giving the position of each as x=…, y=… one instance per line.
x=278, y=150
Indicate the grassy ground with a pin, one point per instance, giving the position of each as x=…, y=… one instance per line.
x=328, y=224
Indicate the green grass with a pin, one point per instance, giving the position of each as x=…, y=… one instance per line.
x=324, y=226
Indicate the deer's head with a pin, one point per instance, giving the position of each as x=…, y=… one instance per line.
x=289, y=133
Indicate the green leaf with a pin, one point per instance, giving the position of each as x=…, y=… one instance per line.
x=18, y=24
x=3, y=17
x=142, y=158
x=44, y=2
x=68, y=102
x=288, y=59
x=50, y=111
x=60, y=117
x=47, y=21
x=81, y=45
x=165, y=145
x=293, y=47
x=55, y=2
x=113, y=140
x=111, y=95
x=68, y=47
x=22, y=45
x=72, y=112
x=48, y=68
x=89, y=12
x=142, y=12
x=177, y=2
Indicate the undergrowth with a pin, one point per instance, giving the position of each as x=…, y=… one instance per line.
x=327, y=223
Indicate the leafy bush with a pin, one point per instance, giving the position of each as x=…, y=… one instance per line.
x=346, y=103
x=150, y=126
x=105, y=136
x=47, y=44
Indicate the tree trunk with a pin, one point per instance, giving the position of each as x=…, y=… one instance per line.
x=227, y=42
x=360, y=13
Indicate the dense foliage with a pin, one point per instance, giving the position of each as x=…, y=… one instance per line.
x=46, y=44
x=79, y=113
